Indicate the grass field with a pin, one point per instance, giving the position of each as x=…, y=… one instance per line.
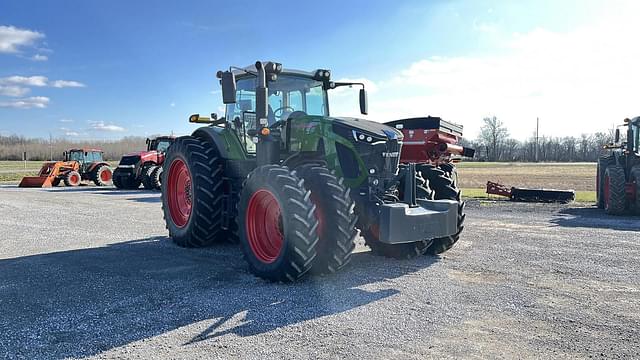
x=473, y=176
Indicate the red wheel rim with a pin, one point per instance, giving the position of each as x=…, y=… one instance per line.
x=606, y=191
x=105, y=175
x=74, y=179
x=264, y=226
x=179, y=193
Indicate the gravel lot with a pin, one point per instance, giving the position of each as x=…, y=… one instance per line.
x=90, y=272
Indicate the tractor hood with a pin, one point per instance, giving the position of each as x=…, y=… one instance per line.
x=368, y=126
x=142, y=154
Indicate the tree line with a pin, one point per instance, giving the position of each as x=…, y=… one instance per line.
x=12, y=147
x=495, y=144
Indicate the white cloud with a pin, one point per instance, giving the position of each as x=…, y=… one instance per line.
x=39, y=57
x=13, y=90
x=66, y=83
x=101, y=126
x=66, y=120
x=25, y=80
x=69, y=132
x=172, y=104
x=579, y=81
x=13, y=38
x=26, y=103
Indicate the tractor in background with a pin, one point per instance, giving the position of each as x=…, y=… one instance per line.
x=618, y=172
x=294, y=185
x=78, y=165
x=143, y=167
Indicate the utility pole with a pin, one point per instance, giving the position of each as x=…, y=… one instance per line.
x=537, y=135
x=50, y=147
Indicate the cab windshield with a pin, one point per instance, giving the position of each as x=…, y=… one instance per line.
x=288, y=94
x=162, y=145
x=76, y=156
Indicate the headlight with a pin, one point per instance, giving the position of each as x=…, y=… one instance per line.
x=368, y=138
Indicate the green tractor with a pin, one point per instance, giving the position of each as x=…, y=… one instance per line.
x=618, y=174
x=294, y=185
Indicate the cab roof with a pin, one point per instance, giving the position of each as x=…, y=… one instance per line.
x=252, y=68
x=86, y=150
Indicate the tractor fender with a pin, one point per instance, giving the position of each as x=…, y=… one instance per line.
x=226, y=142
x=96, y=164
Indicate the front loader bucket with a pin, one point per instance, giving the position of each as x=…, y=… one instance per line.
x=35, y=181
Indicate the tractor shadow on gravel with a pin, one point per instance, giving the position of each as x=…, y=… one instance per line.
x=83, y=302
x=592, y=217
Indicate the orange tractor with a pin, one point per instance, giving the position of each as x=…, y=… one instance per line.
x=78, y=165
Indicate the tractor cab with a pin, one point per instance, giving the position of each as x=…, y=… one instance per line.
x=86, y=157
x=160, y=144
x=290, y=94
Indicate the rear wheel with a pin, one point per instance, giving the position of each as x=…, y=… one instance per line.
x=603, y=163
x=102, y=175
x=443, y=187
x=278, y=232
x=147, y=177
x=615, y=198
x=336, y=217
x=635, y=179
x=192, y=192
x=72, y=178
x=156, y=177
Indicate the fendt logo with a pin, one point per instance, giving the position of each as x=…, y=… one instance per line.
x=391, y=154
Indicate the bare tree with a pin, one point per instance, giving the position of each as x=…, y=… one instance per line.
x=492, y=136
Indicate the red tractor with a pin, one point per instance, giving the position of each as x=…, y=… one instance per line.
x=432, y=144
x=78, y=165
x=618, y=174
x=143, y=167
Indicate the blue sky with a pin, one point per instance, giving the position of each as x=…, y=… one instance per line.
x=96, y=69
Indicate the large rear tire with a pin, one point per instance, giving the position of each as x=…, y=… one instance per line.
x=102, y=175
x=72, y=178
x=443, y=187
x=635, y=179
x=156, y=177
x=278, y=231
x=615, y=198
x=603, y=163
x=147, y=177
x=336, y=217
x=192, y=192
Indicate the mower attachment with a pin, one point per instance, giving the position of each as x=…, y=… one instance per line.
x=531, y=195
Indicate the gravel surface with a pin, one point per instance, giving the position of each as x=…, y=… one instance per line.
x=89, y=272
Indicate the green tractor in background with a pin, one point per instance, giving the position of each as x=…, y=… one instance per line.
x=618, y=174
x=295, y=185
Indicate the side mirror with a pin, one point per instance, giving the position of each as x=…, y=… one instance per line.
x=617, y=140
x=64, y=155
x=364, y=106
x=148, y=141
x=228, y=82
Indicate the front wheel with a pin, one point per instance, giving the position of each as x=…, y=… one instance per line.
x=147, y=177
x=72, y=178
x=278, y=227
x=336, y=217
